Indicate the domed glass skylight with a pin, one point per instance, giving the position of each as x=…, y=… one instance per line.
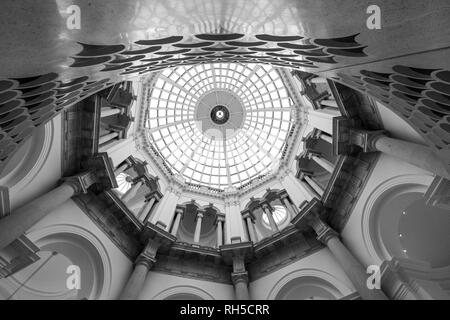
x=219, y=125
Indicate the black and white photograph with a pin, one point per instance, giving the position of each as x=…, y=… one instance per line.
x=240, y=151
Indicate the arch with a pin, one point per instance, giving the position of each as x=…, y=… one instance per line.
x=183, y=290
x=26, y=163
x=90, y=246
x=387, y=189
x=334, y=285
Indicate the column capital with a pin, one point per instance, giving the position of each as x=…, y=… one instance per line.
x=348, y=136
x=323, y=230
x=248, y=214
x=200, y=214
x=237, y=277
x=148, y=255
x=220, y=218
x=101, y=165
x=81, y=182
x=266, y=205
x=180, y=210
x=154, y=195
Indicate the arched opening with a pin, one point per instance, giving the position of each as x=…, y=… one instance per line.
x=63, y=256
x=308, y=288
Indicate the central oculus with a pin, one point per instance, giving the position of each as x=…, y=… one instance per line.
x=220, y=114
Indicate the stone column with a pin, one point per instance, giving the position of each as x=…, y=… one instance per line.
x=323, y=119
x=198, y=227
x=240, y=279
x=23, y=218
x=220, y=221
x=142, y=265
x=418, y=155
x=107, y=111
x=317, y=188
x=121, y=169
x=324, y=163
x=250, y=226
x=176, y=224
x=165, y=212
x=107, y=137
x=297, y=189
x=318, y=80
x=127, y=196
x=326, y=138
x=146, y=208
x=329, y=103
x=268, y=211
x=352, y=268
x=289, y=207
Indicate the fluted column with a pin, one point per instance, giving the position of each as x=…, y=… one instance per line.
x=324, y=163
x=107, y=111
x=132, y=191
x=198, y=227
x=23, y=218
x=107, y=137
x=176, y=223
x=352, y=268
x=142, y=266
x=268, y=211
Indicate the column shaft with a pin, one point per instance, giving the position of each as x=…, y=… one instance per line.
x=273, y=224
x=251, y=230
x=107, y=137
x=198, y=228
x=241, y=290
x=121, y=169
x=329, y=103
x=146, y=208
x=131, y=192
x=176, y=224
x=289, y=208
x=318, y=80
x=23, y=218
x=413, y=153
x=354, y=270
x=314, y=185
x=136, y=282
x=107, y=111
x=324, y=163
x=219, y=233
x=326, y=138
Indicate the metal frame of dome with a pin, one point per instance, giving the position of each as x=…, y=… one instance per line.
x=255, y=147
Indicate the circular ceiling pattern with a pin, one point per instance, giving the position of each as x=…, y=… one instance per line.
x=219, y=125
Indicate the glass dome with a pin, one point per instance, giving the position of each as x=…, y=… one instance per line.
x=219, y=125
